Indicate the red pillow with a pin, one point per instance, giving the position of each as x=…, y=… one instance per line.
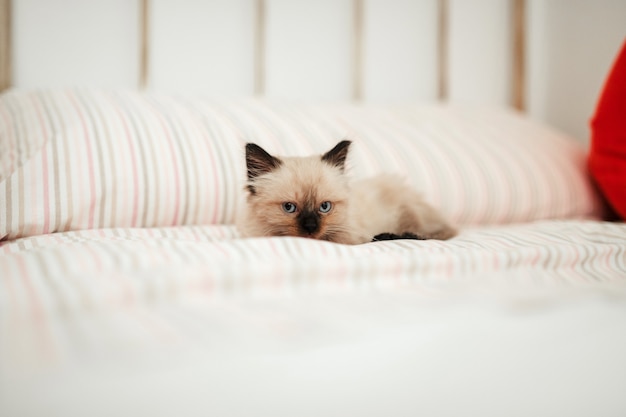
x=607, y=158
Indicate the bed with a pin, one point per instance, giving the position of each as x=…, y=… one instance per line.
x=125, y=288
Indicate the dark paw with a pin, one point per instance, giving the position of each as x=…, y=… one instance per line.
x=393, y=236
x=385, y=236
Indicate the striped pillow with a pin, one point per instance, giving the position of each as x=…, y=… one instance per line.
x=82, y=159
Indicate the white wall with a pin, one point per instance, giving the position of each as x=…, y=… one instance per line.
x=572, y=44
x=207, y=47
x=394, y=68
x=202, y=46
x=75, y=42
x=480, y=52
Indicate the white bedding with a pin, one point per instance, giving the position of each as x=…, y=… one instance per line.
x=525, y=319
x=113, y=304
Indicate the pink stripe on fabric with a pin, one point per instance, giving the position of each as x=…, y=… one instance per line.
x=45, y=173
x=90, y=163
x=213, y=162
x=174, y=163
x=10, y=134
x=133, y=161
x=46, y=192
x=535, y=259
x=31, y=185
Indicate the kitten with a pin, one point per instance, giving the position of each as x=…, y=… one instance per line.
x=311, y=197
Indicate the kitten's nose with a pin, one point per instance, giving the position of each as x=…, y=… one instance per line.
x=309, y=223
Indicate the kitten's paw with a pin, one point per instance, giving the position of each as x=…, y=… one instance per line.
x=393, y=236
x=384, y=236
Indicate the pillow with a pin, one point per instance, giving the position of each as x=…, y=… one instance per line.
x=82, y=159
x=607, y=156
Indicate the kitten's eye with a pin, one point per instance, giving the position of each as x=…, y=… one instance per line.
x=326, y=206
x=289, y=207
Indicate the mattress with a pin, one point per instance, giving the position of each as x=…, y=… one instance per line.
x=125, y=289
x=524, y=319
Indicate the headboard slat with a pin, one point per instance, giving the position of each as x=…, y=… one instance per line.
x=6, y=53
x=442, y=50
x=357, y=64
x=518, y=63
x=259, y=47
x=519, y=55
x=144, y=48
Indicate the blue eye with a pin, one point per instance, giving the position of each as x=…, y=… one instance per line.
x=289, y=207
x=326, y=206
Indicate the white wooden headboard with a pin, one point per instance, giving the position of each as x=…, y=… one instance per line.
x=549, y=57
x=323, y=49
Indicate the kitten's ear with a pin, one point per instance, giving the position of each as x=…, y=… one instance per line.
x=337, y=155
x=259, y=162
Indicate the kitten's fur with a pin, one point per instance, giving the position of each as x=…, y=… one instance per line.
x=379, y=207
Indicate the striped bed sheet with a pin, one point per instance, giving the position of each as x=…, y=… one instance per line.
x=194, y=319
x=125, y=291
x=71, y=271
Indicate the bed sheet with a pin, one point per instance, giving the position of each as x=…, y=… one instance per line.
x=523, y=319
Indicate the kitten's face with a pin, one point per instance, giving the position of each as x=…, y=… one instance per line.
x=304, y=197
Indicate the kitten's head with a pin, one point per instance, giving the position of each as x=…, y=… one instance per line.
x=304, y=197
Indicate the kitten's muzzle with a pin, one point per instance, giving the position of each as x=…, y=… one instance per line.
x=309, y=222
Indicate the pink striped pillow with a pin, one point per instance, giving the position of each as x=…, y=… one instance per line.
x=81, y=159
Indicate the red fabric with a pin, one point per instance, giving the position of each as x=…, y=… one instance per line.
x=607, y=157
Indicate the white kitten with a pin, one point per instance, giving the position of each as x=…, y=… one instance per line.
x=311, y=197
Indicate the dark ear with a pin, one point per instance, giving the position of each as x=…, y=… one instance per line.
x=259, y=162
x=337, y=155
